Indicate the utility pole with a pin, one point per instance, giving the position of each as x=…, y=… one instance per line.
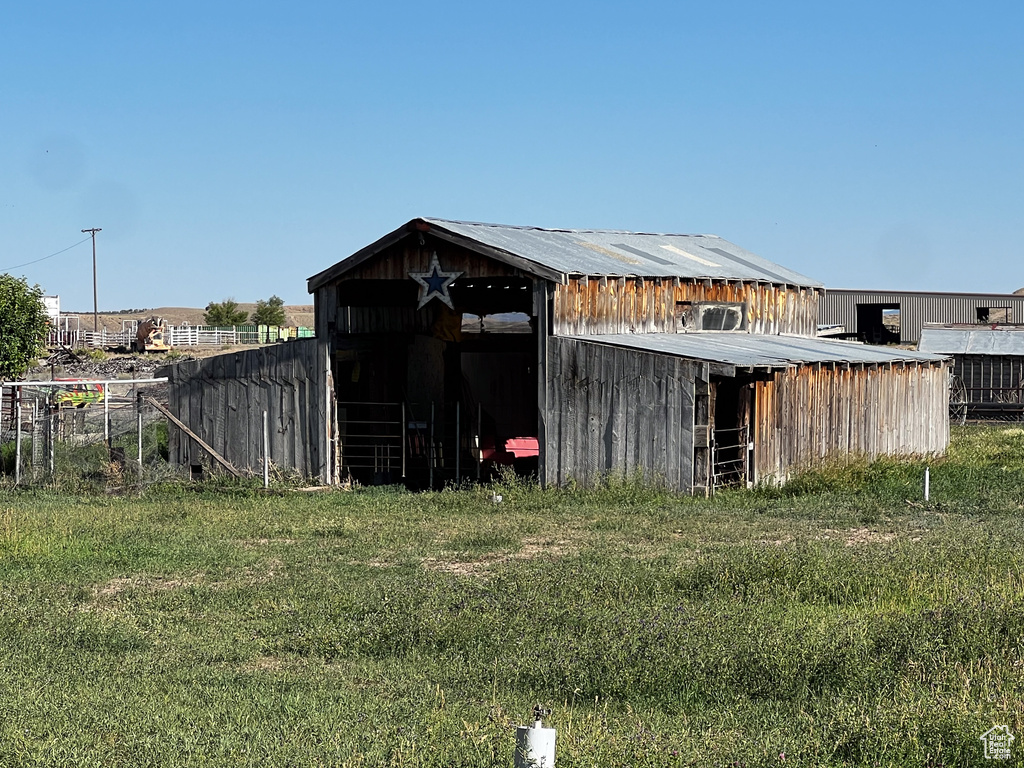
x=95, y=303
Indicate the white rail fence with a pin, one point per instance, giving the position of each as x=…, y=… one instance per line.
x=177, y=336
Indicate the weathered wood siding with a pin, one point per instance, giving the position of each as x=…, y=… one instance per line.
x=618, y=412
x=594, y=305
x=814, y=412
x=395, y=263
x=222, y=400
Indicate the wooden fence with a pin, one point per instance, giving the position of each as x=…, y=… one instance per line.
x=223, y=399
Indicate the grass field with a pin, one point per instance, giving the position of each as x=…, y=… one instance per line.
x=839, y=621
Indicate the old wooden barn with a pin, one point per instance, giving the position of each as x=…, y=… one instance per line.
x=457, y=348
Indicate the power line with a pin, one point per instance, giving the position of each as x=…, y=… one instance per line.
x=58, y=253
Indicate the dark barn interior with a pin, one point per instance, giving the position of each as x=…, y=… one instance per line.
x=436, y=392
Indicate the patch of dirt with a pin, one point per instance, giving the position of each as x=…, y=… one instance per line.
x=859, y=536
x=104, y=594
x=273, y=569
x=264, y=664
x=116, y=586
x=257, y=543
x=531, y=548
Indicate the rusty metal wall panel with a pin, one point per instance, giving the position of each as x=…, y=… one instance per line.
x=589, y=305
x=838, y=307
x=816, y=412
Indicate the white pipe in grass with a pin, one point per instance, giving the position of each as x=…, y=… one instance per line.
x=927, y=483
x=535, y=745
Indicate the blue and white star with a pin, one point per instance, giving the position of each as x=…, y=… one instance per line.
x=434, y=283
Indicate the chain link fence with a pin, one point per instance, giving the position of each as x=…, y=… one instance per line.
x=69, y=434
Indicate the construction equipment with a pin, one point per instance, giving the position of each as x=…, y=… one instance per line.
x=150, y=336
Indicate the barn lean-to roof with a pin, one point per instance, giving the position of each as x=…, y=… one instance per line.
x=557, y=254
x=765, y=352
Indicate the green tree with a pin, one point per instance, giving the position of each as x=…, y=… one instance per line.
x=269, y=312
x=224, y=314
x=23, y=324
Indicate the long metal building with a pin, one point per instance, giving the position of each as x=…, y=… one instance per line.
x=458, y=348
x=895, y=317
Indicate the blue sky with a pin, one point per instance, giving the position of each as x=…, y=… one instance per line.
x=235, y=149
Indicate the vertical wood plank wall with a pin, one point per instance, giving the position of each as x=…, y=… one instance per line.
x=222, y=399
x=617, y=412
x=814, y=412
x=590, y=305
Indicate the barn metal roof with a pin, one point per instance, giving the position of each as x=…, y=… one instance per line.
x=743, y=350
x=972, y=341
x=558, y=253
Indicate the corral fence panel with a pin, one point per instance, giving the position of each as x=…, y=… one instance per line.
x=62, y=433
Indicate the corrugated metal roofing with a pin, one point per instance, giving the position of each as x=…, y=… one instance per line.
x=610, y=252
x=755, y=351
x=971, y=341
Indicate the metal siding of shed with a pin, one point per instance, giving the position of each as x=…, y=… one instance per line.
x=839, y=307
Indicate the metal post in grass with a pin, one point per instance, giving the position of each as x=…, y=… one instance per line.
x=36, y=458
x=927, y=482
x=17, y=435
x=52, y=421
x=266, y=453
x=479, y=444
x=458, y=443
x=106, y=417
x=138, y=409
x=404, y=432
x=430, y=453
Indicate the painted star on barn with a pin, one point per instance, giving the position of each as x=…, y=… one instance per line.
x=434, y=283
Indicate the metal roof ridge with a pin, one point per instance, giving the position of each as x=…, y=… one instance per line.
x=568, y=231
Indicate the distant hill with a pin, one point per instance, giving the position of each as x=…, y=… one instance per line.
x=295, y=314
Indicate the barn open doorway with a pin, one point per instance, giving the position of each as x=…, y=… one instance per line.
x=732, y=408
x=446, y=394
